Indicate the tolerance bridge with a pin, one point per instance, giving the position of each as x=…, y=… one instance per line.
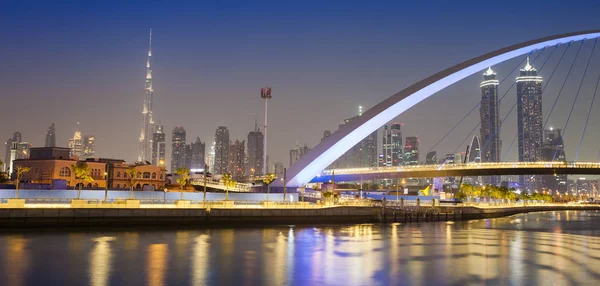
x=325, y=153
x=451, y=170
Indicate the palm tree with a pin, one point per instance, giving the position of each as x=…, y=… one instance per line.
x=184, y=175
x=269, y=178
x=131, y=171
x=228, y=182
x=19, y=171
x=82, y=174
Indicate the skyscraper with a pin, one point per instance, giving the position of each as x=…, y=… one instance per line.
x=159, y=147
x=392, y=145
x=50, y=136
x=363, y=154
x=178, y=149
x=297, y=153
x=431, y=158
x=8, y=145
x=236, y=159
x=18, y=150
x=553, y=149
x=89, y=146
x=490, y=123
x=145, y=144
x=221, y=150
x=411, y=151
x=529, y=120
x=197, y=154
x=211, y=157
x=76, y=145
x=255, y=152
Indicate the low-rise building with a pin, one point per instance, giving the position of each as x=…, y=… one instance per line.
x=52, y=168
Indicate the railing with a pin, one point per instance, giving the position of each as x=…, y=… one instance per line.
x=491, y=165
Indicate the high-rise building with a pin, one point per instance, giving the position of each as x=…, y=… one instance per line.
x=221, y=150
x=255, y=152
x=474, y=151
x=431, y=158
x=363, y=154
x=211, y=157
x=159, y=147
x=8, y=145
x=490, y=123
x=529, y=120
x=50, y=136
x=278, y=168
x=553, y=149
x=297, y=153
x=76, y=145
x=178, y=149
x=236, y=159
x=89, y=146
x=411, y=151
x=392, y=145
x=145, y=141
x=197, y=155
x=19, y=150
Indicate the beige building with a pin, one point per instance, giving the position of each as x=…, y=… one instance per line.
x=52, y=166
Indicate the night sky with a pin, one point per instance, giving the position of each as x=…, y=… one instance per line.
x=84, y=61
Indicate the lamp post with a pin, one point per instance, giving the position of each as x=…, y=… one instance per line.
x=265, y=93
x=106, y=187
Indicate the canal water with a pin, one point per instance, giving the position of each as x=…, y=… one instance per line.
x=550, y=248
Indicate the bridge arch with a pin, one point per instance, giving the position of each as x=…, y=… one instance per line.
x=348, y=135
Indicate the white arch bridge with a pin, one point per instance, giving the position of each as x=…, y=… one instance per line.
x=326, y=152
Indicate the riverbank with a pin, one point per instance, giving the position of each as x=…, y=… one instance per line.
x=123, y=217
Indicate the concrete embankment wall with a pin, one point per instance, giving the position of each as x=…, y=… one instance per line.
x=479, y=213
x=194, y=217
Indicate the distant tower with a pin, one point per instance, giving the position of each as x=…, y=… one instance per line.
x=158, y=146
x=50, y=136
x=197, y=154
x=529, y=120
x=221, y=150
x=8, y=147
x=145, y=147
x=256, y=152
x=489, y=139
x=89, y=146
x=236, y=159
x=411, y=151
x=76, y=144
x=178, y=149
x=392, y=145
x=475, y=151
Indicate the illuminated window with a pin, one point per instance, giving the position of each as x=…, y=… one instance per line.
x=146, y=175
x=153, y=175
x=65, y=172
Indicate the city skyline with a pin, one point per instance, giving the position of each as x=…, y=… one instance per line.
x=131, y=49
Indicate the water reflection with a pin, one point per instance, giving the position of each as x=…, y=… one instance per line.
x=156, y=264
x=100, y=261
x=531, y=249
x=16, y=260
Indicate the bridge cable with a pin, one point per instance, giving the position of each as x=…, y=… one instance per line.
x=575, y=99
x=543, y=89
x=475, y=107
x=589, y=111
x=505, y=93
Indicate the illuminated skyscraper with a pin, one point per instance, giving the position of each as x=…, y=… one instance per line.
x=411, y=151
x=236, y=160
x=50, y=136
x=76, y=144
x=197, y=154
x=221, y=150
x=8, y=145
x=392, y=145
x=145, y=144
x=255, y=152
x=159, y=147
x=553, y=149
x=529, y=120
x=178, y=149
x=490, y=123
x=89, y=146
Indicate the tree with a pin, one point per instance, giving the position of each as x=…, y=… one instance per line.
x=228, y=181
x=269, y=178
x=82, y=174
x=20, y=171
x=131, y=171
x=184, y=176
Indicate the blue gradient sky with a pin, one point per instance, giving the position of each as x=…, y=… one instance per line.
x=83, y=61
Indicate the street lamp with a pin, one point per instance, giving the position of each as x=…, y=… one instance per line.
x=106, y=187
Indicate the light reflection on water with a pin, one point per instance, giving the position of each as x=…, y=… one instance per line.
x=555, y=248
